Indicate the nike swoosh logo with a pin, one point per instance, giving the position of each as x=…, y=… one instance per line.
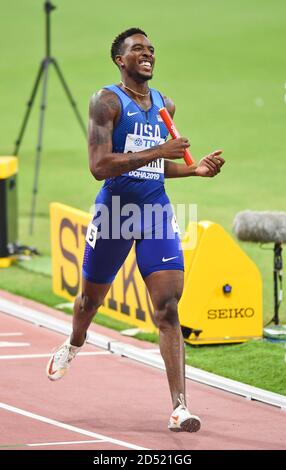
x=175, y=418
x=169, y=259
x=131, y=114
x=51, y=371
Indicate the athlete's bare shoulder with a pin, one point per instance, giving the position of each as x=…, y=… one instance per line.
x=104, y=106
x=170, y=105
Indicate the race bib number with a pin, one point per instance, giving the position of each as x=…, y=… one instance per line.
x=137, y=143
x=91, y=234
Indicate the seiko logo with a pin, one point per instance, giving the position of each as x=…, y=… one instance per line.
x=227, y=313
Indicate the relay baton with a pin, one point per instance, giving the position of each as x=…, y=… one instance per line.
x=169, y=123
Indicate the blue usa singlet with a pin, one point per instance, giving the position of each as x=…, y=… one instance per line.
x=139, y=130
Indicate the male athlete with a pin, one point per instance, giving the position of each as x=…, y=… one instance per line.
x=128, y=149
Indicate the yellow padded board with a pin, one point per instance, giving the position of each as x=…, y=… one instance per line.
x=218, y=260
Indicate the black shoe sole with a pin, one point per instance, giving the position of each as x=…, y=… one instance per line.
x=190, y=425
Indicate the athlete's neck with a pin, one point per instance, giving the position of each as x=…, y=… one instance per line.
x=140, y=90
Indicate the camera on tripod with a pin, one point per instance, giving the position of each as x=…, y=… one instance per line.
x=43, y=75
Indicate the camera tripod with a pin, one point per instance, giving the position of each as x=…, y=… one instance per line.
x=43, y=74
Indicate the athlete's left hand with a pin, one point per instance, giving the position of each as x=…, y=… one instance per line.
x=210, y=165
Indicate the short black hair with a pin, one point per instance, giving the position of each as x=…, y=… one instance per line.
x=118, y=41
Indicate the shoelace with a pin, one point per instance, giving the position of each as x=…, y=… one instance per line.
x=181, y=406
x=181, y=401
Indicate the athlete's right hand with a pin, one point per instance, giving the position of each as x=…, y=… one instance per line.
x=174, y=148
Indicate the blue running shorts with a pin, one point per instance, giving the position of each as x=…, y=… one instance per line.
x=157, y=241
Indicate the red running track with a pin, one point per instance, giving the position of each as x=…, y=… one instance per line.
x=110, y=402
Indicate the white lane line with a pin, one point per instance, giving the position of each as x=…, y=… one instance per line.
x=53, y=422
x=64, y=442
x=11, y=334
x=10, y=344
x=39, y=444
x=35, y=356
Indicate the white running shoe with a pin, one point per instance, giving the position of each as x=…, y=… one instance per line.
x=182, y=420
x=61, y=359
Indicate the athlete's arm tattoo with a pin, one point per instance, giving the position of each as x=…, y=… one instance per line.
x=104, y=112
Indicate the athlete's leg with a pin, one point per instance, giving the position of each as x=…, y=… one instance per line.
x=102, y=259
x=161, y=263
x=85, y=307
x=101, y=263
x=165, y=289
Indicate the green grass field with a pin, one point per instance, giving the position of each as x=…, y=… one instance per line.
x=222, y=63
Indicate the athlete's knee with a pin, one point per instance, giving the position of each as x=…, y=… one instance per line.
x=88, y=305
x=167, y=314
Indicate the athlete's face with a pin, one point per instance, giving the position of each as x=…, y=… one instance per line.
x=137, y=58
